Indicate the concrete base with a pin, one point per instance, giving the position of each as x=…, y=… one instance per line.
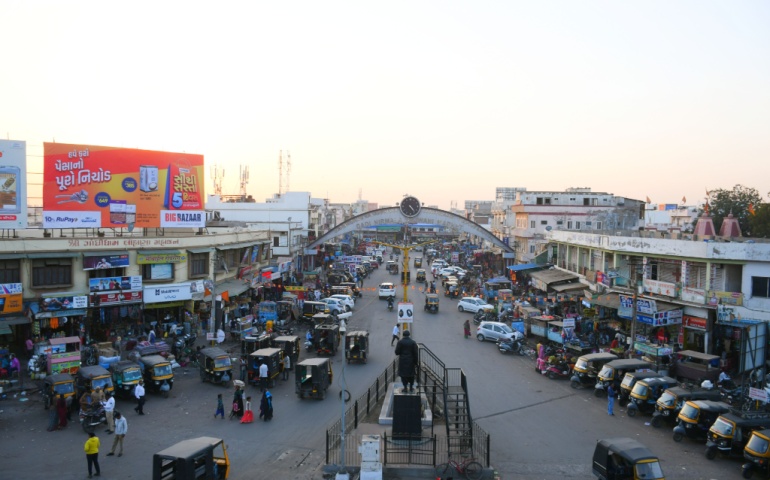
x=386, y=414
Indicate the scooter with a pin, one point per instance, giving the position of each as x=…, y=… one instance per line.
x=556, y=370
x=390, y=305
x=510, y=346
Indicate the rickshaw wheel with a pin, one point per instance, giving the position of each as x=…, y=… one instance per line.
x=678, y=437
x=574, y=384
x=711, y=453
x=598, y=392
x=747, y=472
x=656, y=422
x=631, y=412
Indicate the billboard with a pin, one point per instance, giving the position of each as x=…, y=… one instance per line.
x=10, y=298
x=87, y=186
x=104, y=261
x=13, y=184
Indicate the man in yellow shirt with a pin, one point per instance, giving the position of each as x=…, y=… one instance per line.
x=92, y=453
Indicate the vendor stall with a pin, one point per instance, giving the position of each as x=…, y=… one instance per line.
x=63, y=355
x=658, y=355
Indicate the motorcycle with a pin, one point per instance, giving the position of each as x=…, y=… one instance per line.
x=90, y=419
x=510, y=345
x=556, y=370
x=390, y=304
x=483, y=316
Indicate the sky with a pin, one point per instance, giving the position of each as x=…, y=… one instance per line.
x=444, y=100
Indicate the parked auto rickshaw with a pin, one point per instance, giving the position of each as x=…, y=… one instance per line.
x=55, y=385
x=289, y=344
x=326, y=339
x=310, y=308
x=732, y=431
x=645, y=394
x=625, y=459
x=125, y=375
x=357, y=346
x=215, y=365
x=313, y=376
x=194, y=459
x=352, y=286
x=252, y=344
x=421, y=275
x=392, y=268
x=614, y=372
x=587, y=367
x=757, y=454
x=288, y=311
x=673, y=399
x=92, y=377
x=451, y=289
x=696, y=418
x=431, y=302
x=268, y=310
x=274, y=360
x=158, y=375
x=628, y=383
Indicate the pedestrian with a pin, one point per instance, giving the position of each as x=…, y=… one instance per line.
x=91, y=448
x=266, y=406
x=244, y=368
x=109, y=410
x=408, y=354
x=610, y=399
x=30, y=347
x=220, y=407
x=98, y=395
x=61, y=411
x=467, y=329
x=248, y=414
x=139, y=394
x=286, y=366
x=395, y=337
x=237, y=403
x=121, y=428
x=263, y=372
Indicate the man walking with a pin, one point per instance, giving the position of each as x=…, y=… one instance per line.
x=286, y=366
x=263, y=377
x=121, y=428
x=92, y=454
x=610, y=399
x=139, y=394
x=395, y=335
x=109, y=410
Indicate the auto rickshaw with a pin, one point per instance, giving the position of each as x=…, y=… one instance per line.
x=646, y=392
x=671, y=402
x=625, y=459
x=357, y=346
x=421, y=278
x=628, y=383
x=92, y=377
x=310, y=308
x=451, y=289
x=274, y=360
x=289, y=344
x=287, y=310
x=252, y=344
x=313, y=376
x=158, y=375
x=326, y=339
x=201, y=458
x=55, y=385
x=586, y=368
x=392, y=268
x=431, y=302
x=215, y=365
x=696, y=418
x=757, y=454
x=125, y=375
x=353, y=287
x=615, y=370
x=732, y=431
x=417, y=262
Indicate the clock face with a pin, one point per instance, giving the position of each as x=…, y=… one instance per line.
x=410, y=207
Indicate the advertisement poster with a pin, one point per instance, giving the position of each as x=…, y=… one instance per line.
x=55, y=304
x=115, y=283
x=405, y=312
x=87, y=186
x=10, y=298
x=100, y=262
x=13, y=184
x=115, y=298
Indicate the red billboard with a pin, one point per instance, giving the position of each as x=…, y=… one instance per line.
x=87, y=186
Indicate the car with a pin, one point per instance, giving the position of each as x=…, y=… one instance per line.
x=473, y=305
x=386, y=290
x=346, y=300
x=335, y=305
x=438, y=264
x=493, y=331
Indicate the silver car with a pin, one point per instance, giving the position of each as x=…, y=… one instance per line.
x=473, y=305
x=493, y=331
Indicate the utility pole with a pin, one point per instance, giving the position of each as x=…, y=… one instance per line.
x=635, y=286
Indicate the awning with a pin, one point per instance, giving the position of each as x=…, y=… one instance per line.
x=566, y=287
x=282, y=259
x=609, y=300
x=664, y=306
x=553, y=276
x=523, y=266
x=53, y=255
x=235, y=245
x=17, y=320
x=75, y=312
x=199, y=250
x=105, y=253
x=11, y=256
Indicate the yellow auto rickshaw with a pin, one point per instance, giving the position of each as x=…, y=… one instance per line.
x=421, y=275
x=193, y=459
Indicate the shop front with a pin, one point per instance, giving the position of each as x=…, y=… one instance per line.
x=63, y=315
x=116, y=306
x=656, y=321
x=168, y=307
x=14, y=326
x=695, y=333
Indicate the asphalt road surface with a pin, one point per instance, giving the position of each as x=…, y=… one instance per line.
x=540, y=428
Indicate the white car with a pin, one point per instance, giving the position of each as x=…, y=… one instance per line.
x=386, y=290
x=438, y=264
x=494, y=331
x=473, y=305
x=346, y=300
x=335, y=305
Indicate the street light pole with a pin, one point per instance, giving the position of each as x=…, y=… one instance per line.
x=342, y=474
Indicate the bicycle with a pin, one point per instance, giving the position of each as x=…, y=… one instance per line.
x=469, y=468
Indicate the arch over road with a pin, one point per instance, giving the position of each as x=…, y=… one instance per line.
x=393, y=215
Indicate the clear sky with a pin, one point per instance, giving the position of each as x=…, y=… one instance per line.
x=444, y=100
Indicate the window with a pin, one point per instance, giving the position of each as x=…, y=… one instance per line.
x=569, y=225
x=198, y=264
x=598, y=225
x=51, y=272
x=559, y=222
x=760, y=287
x=10, y=271
x=543, y=222
x=231, y=257
x=577, y=225
x=589, y=224
x=158, y=272
x=531, y=249
x=532, y=224
x=105, y=273
x=276, y=241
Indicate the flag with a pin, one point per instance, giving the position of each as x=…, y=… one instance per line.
x=751, y=208
x=648, y=200
x=684, y=199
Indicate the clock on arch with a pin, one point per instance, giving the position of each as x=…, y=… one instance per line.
x=410, y=206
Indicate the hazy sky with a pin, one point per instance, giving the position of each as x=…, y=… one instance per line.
x=443, y=100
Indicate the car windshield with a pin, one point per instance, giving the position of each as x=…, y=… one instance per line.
x=690, y=411
x=222, y=362
x=668, y=399
x=132, y=374
x=649, y=470
x=757, y=444
x=606, y=372
x=628, y=380
x=64, y=388
x=101, y=382
x=723, y=427
x=640, y=390
x=162, y=370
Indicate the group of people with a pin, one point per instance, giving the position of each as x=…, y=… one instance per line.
x=243, y=411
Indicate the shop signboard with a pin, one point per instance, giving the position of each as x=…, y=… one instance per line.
x=13, y=184
x=694, y=295
x=87, y=186
x=696, y=323
x=255, y=254
x=405, y=313
x=115, y=298
x=168, y=293
x=668, y=317
x=725, y=298
x=115, y=283
x=158, y=258
x=243, y=272
x=660, y=288
x=63, y=303
x=644, y=306
x=101, y=262
x=10, y=298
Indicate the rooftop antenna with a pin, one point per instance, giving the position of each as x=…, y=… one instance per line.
x=244, y=176
x=288, y=170
x=280, y=172
x=217, y=174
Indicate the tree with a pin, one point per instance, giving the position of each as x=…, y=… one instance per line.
x=759, y=223
x=736, y=201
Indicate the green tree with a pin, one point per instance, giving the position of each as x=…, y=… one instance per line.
x=736, y=201
x=760, y=221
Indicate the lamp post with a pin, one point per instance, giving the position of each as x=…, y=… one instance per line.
x=342, y=474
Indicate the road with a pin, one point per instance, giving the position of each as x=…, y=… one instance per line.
x=540, y=428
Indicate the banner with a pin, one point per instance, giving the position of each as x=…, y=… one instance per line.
x=99, y=262
x=11, y=300
x=660, y=288
x=405, y=312
x=54, y=304
x=92, y=186
x=115, y=283
x=115, y=298
x=169, y=293
x=13, y=184
x=155, y=258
